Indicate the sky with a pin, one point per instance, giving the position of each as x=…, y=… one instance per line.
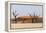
x=25, y=10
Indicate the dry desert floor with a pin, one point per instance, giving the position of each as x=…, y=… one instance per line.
x=26, y=25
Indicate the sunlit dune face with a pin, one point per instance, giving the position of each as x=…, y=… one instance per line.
x=25, y=17
x=29, y=17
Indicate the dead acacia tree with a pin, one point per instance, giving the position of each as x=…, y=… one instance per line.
x=15, y=14
x=33, y=19
x=30, y=18
x=36, y=18
x=23, y=20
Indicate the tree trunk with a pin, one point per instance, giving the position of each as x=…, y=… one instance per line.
x=23, y=20
x=15, y=20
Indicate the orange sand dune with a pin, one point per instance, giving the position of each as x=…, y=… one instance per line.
x=26, y=17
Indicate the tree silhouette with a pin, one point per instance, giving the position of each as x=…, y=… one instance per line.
x=23, y=20
x=15, y=15
x=36, y=18
x=29, y=14
x=33, y=19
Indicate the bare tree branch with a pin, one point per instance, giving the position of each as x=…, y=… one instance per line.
x=15, y=15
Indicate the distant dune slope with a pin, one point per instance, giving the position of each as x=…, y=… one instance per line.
x=29, y=17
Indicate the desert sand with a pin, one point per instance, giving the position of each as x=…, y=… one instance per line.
x=26, y=25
